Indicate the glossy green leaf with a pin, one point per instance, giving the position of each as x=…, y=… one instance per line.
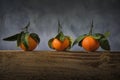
x=22, y=36
x=35, y=37
x=11, y=38
x=50, y=43
x=24, y=40
x=107, y=34
x=102, y=38
x=104, y=44
x=71, y=41
x=79, y=39
x=60, y=36
x=19, y=38
x=98, y=36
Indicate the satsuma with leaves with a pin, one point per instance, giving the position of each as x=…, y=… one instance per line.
x=25, y=40
x=91, y=42
x=60, y=42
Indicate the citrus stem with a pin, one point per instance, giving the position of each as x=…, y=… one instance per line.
x=26, y=27
x=91, y=28
x=59, y=27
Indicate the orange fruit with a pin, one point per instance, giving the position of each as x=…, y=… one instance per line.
x=90, y=44
x=32, y=44
x=60, y=45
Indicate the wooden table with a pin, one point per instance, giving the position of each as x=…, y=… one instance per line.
x=53, y=65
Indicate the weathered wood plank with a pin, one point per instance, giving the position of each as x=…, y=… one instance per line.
x=53, y=65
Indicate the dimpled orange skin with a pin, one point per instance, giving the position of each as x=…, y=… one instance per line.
x=90, y=44
x=31, y=43
x=59, y=45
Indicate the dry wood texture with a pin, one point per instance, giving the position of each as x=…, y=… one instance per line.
x=53, y=65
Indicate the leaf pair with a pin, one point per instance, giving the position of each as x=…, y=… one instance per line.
x=104, y=44
x=60, y=36
x=19, y=37
x=102, y=38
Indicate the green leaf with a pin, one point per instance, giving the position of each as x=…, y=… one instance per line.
x=19, y=38
x=24, y=40
x=60, y=36
x=35, y=37
x=98, y=36
x=79, y=39
x=11, y=38
x=71, y=41
x=104, y=44
x=50, y=43
x=107, y=34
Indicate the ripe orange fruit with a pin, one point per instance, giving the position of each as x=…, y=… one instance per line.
x=60, y=45
x=90, y=44
x=32, y=44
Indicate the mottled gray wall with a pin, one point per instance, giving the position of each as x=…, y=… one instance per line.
x=75, y=17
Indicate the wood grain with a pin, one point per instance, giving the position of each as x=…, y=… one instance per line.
x=53, y=65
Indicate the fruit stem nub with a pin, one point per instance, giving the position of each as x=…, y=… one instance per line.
x=90, y=32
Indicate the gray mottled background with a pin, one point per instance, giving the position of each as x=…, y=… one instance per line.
x=75, y=17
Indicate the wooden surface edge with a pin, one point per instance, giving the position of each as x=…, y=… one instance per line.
x=53, y=65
